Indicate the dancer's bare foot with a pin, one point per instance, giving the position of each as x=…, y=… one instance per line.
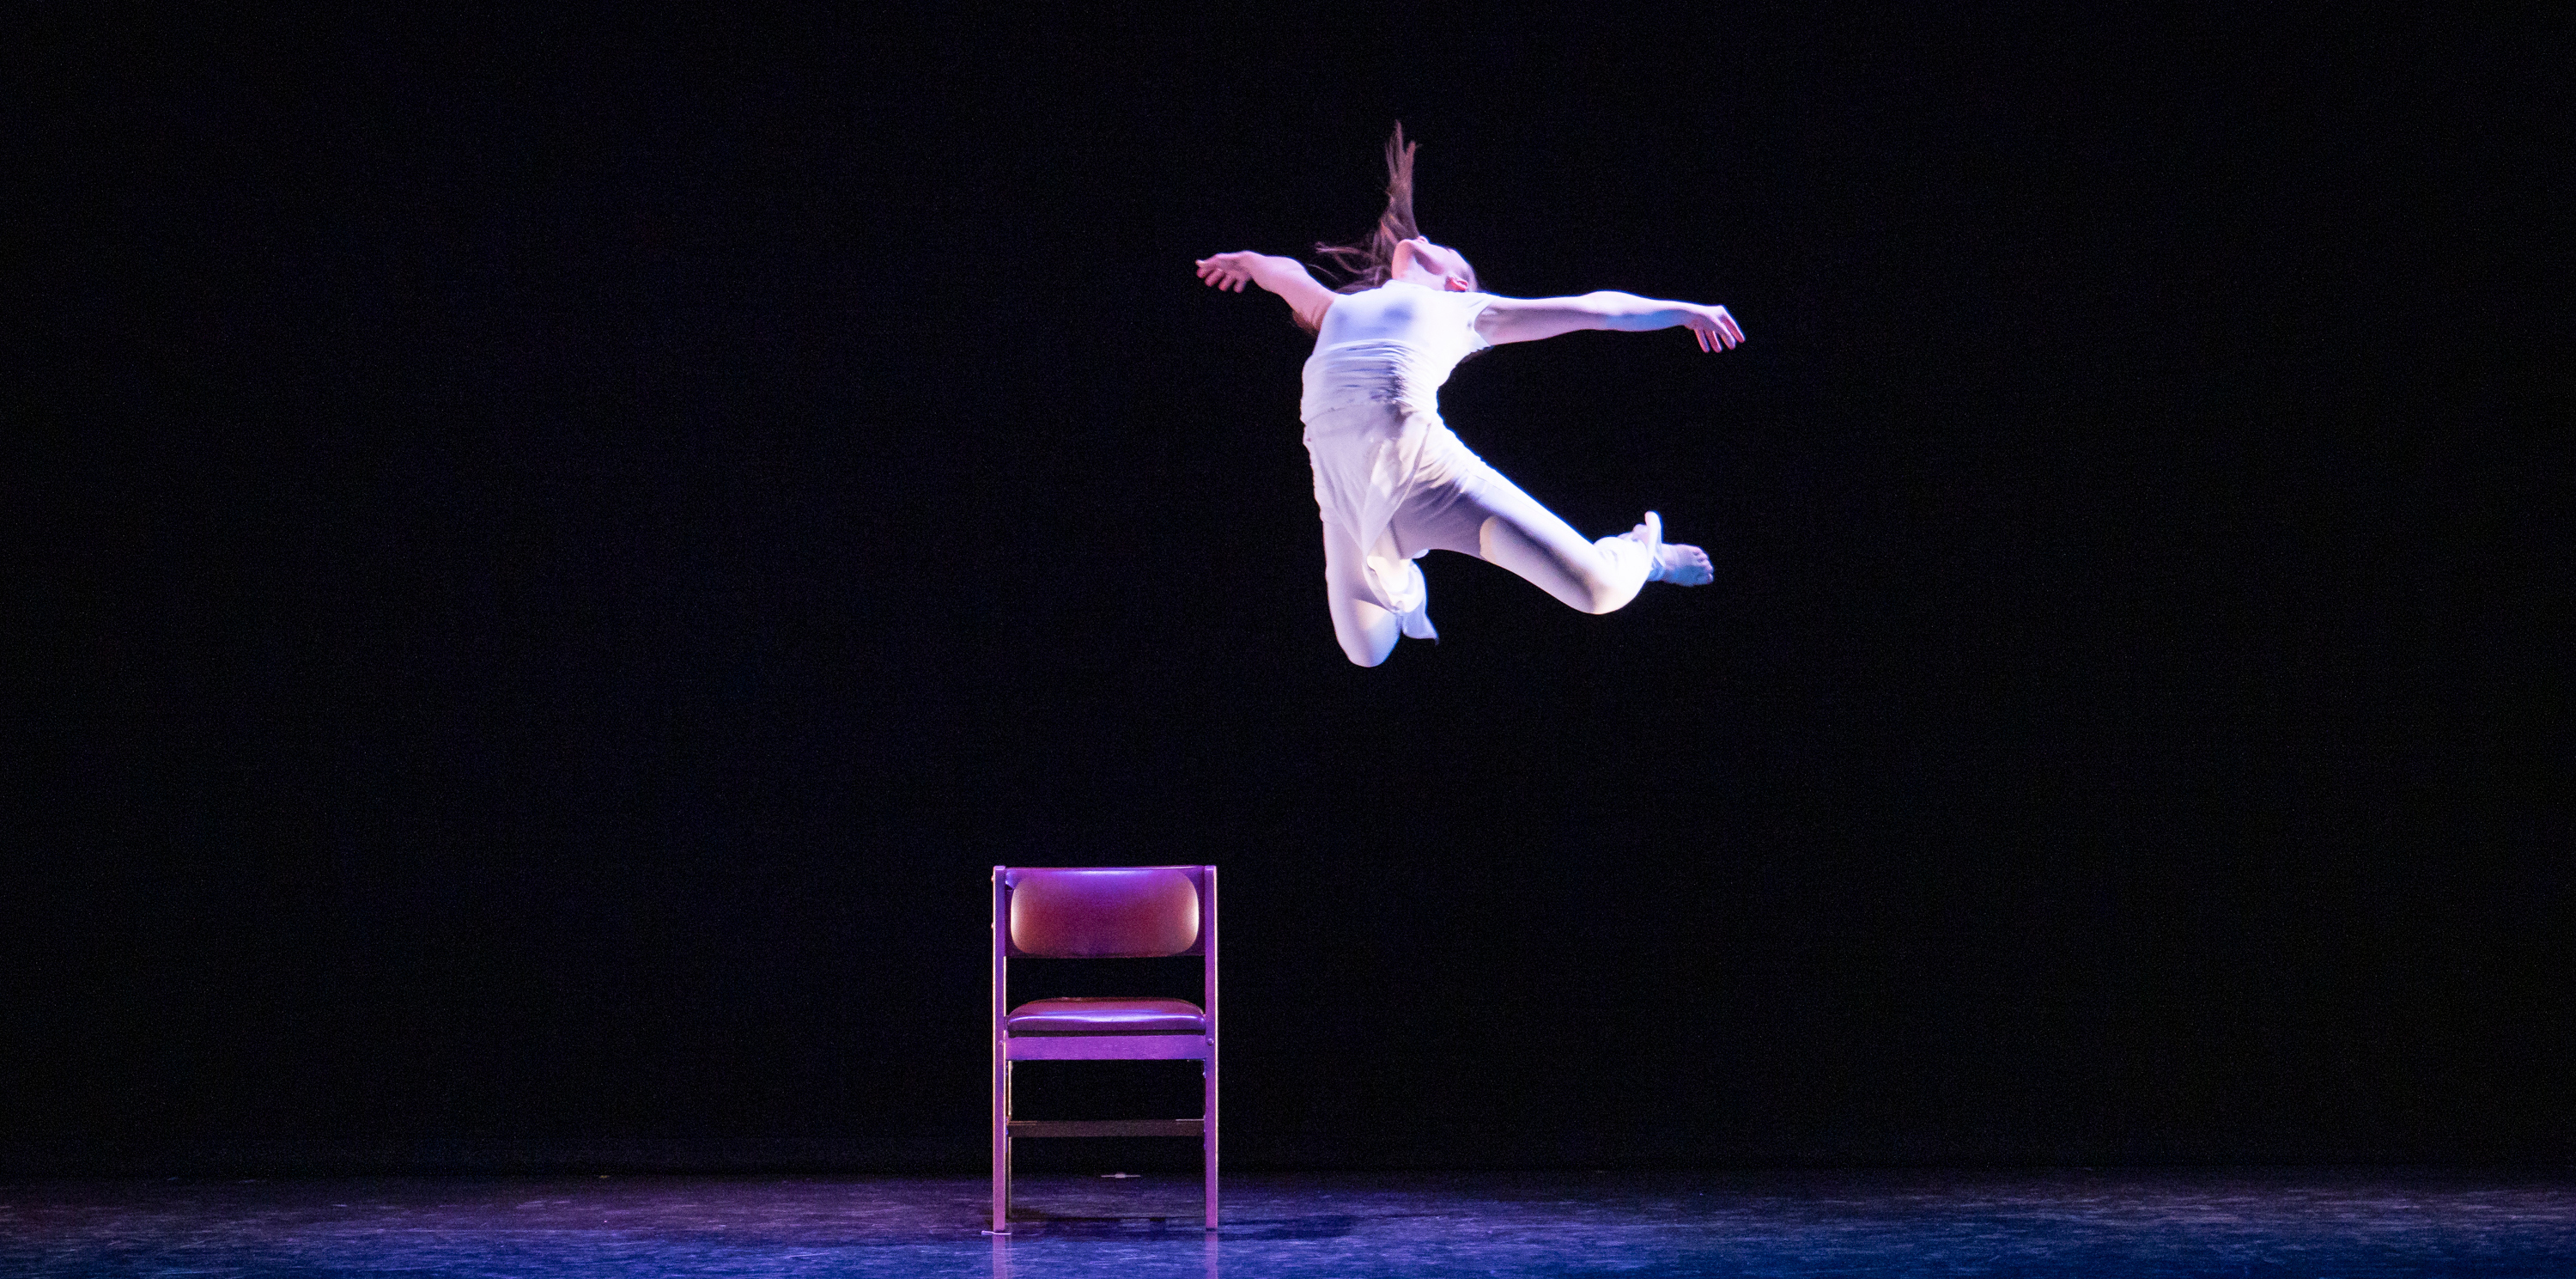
x=1682, y=565
x=1676, y=562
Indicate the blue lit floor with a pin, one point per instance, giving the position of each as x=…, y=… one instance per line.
x=2338, y=1222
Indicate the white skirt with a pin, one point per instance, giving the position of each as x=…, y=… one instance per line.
x=1373, y=459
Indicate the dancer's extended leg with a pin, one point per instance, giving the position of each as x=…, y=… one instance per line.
x=1367, y=631
x=1596, y=576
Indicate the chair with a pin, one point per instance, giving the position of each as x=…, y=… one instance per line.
x=1099, y=913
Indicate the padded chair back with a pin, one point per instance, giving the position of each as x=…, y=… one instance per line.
x=1104, y=913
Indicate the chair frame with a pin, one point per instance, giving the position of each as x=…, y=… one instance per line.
x=1183, y=1046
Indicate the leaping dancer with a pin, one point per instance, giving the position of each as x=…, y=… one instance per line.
x=1391, y=481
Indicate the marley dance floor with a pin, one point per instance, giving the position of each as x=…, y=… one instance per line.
x=2298, y=1222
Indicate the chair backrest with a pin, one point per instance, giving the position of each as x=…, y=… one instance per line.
x=1104, y=912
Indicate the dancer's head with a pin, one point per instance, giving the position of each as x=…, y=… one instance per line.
x=1433, y=266
x=1396, y=250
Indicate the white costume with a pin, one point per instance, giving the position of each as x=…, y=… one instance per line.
x=1392, y=482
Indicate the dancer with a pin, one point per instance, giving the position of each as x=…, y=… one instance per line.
x=1391, y=481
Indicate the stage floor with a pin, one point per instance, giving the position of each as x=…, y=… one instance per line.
x=2304, y=1222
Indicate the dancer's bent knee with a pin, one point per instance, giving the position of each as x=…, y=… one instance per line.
x=1365, y=643
x=1366, y=632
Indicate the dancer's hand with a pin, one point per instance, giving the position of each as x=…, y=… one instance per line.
x=1714, y=328
x=1228, y=270
x=1286, y=277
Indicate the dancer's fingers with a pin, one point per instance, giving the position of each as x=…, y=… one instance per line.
x=1728, y=323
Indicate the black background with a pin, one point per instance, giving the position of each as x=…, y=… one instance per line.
x=554, y=554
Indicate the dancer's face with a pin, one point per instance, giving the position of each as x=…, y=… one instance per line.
x=1431, y=265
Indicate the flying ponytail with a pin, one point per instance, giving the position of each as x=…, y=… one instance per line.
x=1369, y=262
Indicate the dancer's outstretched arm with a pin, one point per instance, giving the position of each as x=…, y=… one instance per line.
x=1286, y=277
x=1530, y=319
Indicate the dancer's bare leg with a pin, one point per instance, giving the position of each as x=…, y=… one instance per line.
x=1366, y=630
x=1587, y=576
x=1594, y=576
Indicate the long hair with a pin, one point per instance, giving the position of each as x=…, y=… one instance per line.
x=1368, y=262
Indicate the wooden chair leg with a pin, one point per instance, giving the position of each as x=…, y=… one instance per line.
x=1001, y=1147
x=1207, y=1139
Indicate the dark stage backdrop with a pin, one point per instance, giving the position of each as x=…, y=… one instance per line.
x=551, y=556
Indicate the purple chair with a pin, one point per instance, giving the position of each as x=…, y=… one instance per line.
x=1101, y=912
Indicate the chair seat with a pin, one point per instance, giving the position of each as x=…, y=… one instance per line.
x=1094, y=1016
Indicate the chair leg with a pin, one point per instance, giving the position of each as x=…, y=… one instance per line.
x=1207, y=1138
x=1001, y=1147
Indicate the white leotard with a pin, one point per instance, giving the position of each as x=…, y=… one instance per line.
x=1394, y=344
x=1373, y=428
